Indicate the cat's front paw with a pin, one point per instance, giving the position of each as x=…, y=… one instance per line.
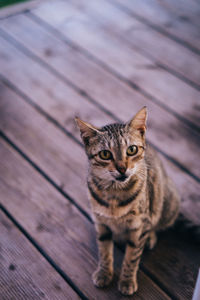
x=102, y=278
x=127, y=287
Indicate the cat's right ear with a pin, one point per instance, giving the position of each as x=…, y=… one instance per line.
x=87, y=130
x=139, y=121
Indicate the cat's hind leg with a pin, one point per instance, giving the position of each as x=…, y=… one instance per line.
x=171, y=206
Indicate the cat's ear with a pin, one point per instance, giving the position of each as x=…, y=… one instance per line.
x=139, y=121
x=87, y=130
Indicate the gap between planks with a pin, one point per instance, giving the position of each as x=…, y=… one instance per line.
x=85, y=95
x=148, y=95
x=80, y=32
x=24, y=238
x=89, y=107
x=69, y=134
x=157, y=28
x=82, y=211
x=99, y=12
x=158, y=291
x=39, y=170
x=73, y=95
x=46, y=177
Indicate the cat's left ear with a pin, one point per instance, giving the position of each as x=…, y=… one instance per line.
x=87, y=130
x=139, y=121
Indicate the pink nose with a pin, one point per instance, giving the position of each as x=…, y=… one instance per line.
x=121, y=168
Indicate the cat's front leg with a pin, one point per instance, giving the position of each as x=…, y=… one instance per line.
x=128, y=277
x=104, y=273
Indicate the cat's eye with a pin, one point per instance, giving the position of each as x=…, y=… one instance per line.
x=132, y=150
x=105, y=154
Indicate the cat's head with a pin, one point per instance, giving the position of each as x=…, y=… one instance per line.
x=115, y=151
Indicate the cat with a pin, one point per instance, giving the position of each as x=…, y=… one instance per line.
x=131, y=195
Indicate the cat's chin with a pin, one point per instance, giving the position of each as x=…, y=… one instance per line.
x=120, y=182
x=119, y=185
x=121, y=178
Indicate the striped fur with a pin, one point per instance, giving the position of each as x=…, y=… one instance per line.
x=131, y=195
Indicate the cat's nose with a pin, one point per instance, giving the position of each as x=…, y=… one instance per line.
x=121, y=168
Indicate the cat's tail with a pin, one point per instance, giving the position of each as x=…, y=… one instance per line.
x=187, y=229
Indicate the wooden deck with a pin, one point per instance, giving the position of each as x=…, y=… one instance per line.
x=100, y=60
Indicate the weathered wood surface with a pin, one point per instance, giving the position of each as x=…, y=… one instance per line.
x=24, y=273
x=85, y=75
x=178, y=19
x=70, y=58
x=184, y=264
x=38, y=142
x=54, y=97
x=129, y=63
x=62, y=231
x=144, y=40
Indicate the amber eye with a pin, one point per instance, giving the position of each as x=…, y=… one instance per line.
x=132, y=150
x=105, y=154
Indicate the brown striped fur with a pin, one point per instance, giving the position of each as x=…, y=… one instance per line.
x=132, y=197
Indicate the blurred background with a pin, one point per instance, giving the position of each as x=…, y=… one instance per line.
x=101, y=60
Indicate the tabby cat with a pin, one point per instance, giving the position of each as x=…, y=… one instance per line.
x=131, y=195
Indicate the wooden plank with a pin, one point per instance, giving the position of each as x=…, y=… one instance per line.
x=72, y=162
x=125, y=61
x=34, y=140
x=86, y=76
x=16, y=7
x=178, y=19
x=55, y=98
x=56, y=153
x=65, y=234
x=168, y=250
x=24, y=273
x=15, y=115
x=142, y=38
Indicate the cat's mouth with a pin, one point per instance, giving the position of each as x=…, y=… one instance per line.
x=121, y=178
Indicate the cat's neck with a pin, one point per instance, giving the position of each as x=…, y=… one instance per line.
x=116, y=200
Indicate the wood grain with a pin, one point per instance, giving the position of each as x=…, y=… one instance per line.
x=24, y=273
x=106, y=91
x=55, y=98
x=58, y=76
x=58, y=80
x=167, y=250
x=125, y=60
x=179, y=19
x=56, y=153
x=57, y=226
x=144, y=40
x=36, y=143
